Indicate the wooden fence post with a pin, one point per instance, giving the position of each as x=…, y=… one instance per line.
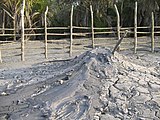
x=71, y=31
x=152, y=39
x=0, y=56
x=135, y=29
x=92, y=26
x=14, y=25
x=45, y=28
x=3, y=22
x=118, y=24
x=22, y=31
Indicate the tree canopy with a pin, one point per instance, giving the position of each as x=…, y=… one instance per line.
x=59, y=12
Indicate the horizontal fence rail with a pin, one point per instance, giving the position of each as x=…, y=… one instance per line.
x=106, y=36
x=68, y=39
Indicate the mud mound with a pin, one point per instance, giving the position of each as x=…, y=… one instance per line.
x=95, y=85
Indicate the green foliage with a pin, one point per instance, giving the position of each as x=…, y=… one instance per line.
x=59, y=12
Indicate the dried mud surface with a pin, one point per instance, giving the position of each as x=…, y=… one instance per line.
x=93, y=86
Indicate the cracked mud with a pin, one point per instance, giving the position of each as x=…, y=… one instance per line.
x=93, y=86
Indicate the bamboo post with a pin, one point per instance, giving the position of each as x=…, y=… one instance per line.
x=135, y=29
x=92, y=26
x=14, y=25
x=152, y=39
x=118, y=24
x=3, y=22
x=22, y=31
x=0, y=56
x=71, y=31
x=45, y=28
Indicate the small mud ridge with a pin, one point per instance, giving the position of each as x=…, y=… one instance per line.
x=93, y=86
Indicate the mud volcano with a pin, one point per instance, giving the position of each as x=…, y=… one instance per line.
x=93, y=86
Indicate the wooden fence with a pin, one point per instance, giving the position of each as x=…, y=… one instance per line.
x=70, y=34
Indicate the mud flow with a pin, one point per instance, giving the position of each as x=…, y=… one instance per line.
x=93, y=86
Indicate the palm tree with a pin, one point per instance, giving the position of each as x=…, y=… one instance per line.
x=12, y=8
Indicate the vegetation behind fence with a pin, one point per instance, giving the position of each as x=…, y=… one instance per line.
x=74, y=33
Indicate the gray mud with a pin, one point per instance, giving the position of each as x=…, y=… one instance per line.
x=93, y=86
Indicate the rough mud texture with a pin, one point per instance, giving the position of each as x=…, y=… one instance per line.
x=93, y=86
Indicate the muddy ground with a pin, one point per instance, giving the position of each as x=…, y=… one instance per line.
x=94, y=85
